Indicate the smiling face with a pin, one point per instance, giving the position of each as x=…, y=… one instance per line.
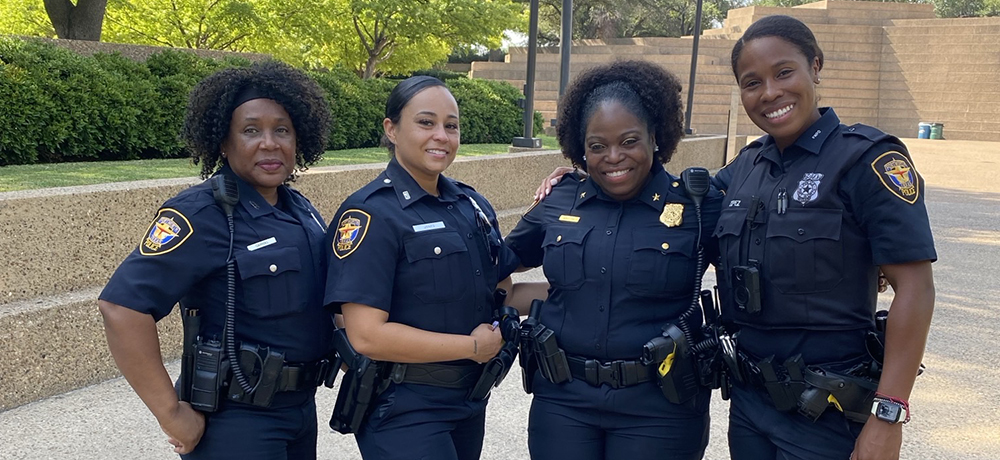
x=260, y=146
x=778, y=88
x=619, y=150
x=427, y=136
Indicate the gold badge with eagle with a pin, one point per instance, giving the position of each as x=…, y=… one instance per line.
x=898, y=175
x=351, y=230
x=672, y=215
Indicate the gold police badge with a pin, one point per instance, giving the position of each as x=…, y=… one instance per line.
x=672, y=215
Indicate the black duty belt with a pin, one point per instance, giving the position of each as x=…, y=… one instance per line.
x=302, y=376
x=617, y=374
x=439, y=375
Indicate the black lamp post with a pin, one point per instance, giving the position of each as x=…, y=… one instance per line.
x=694, y=67
x=529, y=86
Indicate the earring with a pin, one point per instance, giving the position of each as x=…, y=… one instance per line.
x=223, y=154
x=818, y=80
x=585, y=158
x=656, y=148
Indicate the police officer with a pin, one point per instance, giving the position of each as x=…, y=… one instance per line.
x=812, y=211
x=254, y=126
x=416, y=258
x=620, y=252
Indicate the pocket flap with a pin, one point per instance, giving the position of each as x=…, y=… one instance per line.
x=806, y=224
x=674, y=242
x=432, y=245
x=560, y=235
x=731, y=222
x=270, y=262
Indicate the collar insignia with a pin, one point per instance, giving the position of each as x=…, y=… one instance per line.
x=656, y=197
x=351, y=232
x=168, y=231
x=583, y=194
x=898, y=175
x=672, y=215
x=808, y=188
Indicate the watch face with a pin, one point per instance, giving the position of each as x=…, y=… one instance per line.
x=888, y=412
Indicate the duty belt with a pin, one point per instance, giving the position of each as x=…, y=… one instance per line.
x=616, y=374
x=439, y=375
x=303, y=376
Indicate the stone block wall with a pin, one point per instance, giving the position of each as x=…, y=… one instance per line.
x=61, y=245
x=890, y=65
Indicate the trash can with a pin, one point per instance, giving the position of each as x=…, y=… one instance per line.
x=923, y=130
x=937, y=130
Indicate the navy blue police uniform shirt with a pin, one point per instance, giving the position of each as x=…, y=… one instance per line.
x=280, y=268
x=852, y=201
x=421, y=258
x=617, y=270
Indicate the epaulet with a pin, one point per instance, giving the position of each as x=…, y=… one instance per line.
x=461, y=184
x=871, y=133
x=370, y=188
x=192, y=199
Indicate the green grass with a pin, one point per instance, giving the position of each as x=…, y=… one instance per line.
x=27, y=177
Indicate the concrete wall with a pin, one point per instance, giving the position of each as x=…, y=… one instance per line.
x=61, y=245
x=891, y=65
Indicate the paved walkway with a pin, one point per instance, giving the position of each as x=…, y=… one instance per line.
x=956, y=409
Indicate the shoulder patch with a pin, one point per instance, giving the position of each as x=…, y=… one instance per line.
x=898, y=175
x=169, y=230
x=351, y=230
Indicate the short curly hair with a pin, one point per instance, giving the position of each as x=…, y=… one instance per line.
x=658, y=91
x=213, y=100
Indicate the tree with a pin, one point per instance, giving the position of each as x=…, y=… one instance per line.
x=425, y=29
x=81, y=21
x=606, y=19
x=25, y=17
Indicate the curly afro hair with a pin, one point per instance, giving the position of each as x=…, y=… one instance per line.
x=646, y=89
x=213, y=100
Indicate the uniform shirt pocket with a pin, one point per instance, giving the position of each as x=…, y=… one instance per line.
x=804, y=250
x=271, y=284
x=563, y=263
x=662, y=263
x=438, y=266
x=728, y=231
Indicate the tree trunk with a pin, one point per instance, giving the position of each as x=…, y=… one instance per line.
x=82, y=21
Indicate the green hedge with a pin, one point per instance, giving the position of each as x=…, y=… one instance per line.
x=59, y=106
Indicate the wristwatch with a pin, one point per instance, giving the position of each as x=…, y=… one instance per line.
x=889, y=411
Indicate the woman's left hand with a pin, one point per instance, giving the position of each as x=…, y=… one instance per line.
x=878, y=441
x=550, y=181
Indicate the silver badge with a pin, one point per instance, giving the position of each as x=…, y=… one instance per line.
x=808, y=188
x=406, y=194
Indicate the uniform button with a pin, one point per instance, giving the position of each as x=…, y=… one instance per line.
x=479, y=308
x=437, y=250
x=608, y=232
x=469, y=236
x=665, y=246
x=558, y=238
x=604, y=270
x=597, y=346
x=720, y=228
x=478, y=273
x=387, y=181
x=451, y=206
x=757, y=241
x=802, y=231
x=273, y=268
x=601, y=308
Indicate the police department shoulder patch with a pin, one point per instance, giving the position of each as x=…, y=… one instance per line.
x=351, y=230
x=898, y=175
x=169, y=230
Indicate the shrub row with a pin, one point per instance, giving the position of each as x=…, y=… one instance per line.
x=59, y=106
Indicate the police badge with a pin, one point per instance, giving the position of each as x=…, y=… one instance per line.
x=672, y=215
x=351, y=232
x=808, y=188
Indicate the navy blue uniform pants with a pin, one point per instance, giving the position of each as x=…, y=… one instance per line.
x=577, y=421
x=416, y=422
x=245, y=432
x=758, y=431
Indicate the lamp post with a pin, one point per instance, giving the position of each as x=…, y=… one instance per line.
x=565, y=45
x=529, y=85
x=694, y=67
